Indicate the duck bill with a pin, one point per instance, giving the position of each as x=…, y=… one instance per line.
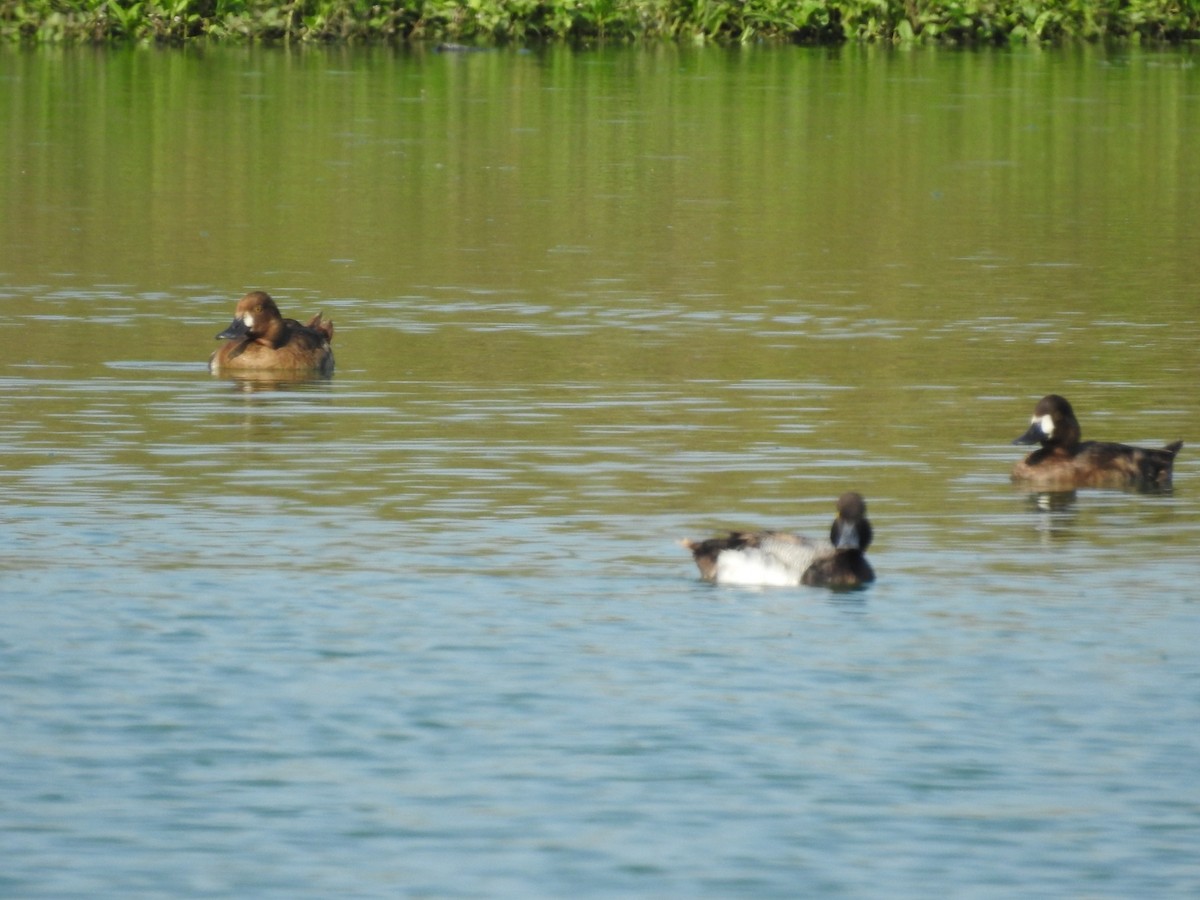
x=237, y=329
x=1034, y=435
x=847, y=538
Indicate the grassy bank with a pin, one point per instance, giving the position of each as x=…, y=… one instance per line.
x=487, y=22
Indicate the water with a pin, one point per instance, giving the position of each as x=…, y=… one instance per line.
x=422, y=629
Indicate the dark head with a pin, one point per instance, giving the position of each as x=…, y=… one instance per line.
x=254, y=317
x=1053, y=424
x=847, y=567
x=851, y=529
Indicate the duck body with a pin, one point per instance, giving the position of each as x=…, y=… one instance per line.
x=778, y=558
x=260, y=339
x=1064, y=461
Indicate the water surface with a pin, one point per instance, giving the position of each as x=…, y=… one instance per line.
x=422, y=629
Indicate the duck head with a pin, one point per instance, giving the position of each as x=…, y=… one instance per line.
x=254, y=317
x=1053, y=424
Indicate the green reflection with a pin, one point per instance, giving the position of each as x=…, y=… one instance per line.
x=794, y=267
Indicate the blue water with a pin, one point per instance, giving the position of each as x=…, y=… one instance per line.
x=424, y=630
x=231, y=670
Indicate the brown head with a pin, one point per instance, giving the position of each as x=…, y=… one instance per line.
x=256, y=317
x=1053, y=424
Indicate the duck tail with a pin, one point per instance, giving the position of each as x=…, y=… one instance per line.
x=705, y=555
x=322, y=326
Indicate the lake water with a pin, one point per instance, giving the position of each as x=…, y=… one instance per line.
x=423, y=630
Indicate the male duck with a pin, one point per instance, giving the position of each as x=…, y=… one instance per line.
x=1064, y=461
x=779, y=558
x=260, y=339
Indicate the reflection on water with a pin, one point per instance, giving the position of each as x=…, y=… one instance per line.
x=422, y=627
x=251, y=381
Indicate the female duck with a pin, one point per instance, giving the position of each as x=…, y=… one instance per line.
x=1064, y=461
x=260, y=339
x=779, y=558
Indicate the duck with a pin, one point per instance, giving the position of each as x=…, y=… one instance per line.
x=1065, y=462
x=779, y=558
x=261, y=339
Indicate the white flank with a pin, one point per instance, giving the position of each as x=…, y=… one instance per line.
x=779, y=562
x=753, y=567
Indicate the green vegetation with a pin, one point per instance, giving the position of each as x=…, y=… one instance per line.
x=487, y=22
